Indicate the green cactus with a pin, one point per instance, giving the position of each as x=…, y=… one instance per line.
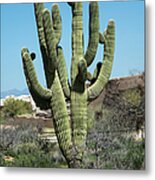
x=70, y=129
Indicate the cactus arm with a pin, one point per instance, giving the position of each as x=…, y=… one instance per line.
x=93, y=33
x=38, y=9
x=32, y=77
x=62, y=73
x=48, y=67
x=61, y=119
x=103, y=77
x=39, y=100
x=50, y=44
x=49, y=36
x=57, y=24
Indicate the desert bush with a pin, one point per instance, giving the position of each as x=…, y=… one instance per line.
x=2, y=117
x=26, y=149
x=132, y=97
x=114, y=150
x=111, y=143
x=13, y=107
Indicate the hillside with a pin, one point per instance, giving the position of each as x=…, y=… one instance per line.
x=116, y=87
x=121, y=105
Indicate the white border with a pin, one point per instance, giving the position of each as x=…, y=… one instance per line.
x=149, y=173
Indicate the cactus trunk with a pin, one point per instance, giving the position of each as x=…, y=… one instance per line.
x=70, y=129
x=78, y=90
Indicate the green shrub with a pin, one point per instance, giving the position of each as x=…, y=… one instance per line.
x=13, y=107
x=25, y=148
x=132, y=96
x=2, y=117
x=115, y=152
x=111, y=142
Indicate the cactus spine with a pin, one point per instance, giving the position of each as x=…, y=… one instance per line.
x=71, y=130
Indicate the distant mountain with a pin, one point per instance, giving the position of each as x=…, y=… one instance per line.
x=14, y=92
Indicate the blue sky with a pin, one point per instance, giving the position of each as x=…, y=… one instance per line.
x=18, y=29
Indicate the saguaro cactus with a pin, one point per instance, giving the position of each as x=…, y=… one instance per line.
x=70, y=129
